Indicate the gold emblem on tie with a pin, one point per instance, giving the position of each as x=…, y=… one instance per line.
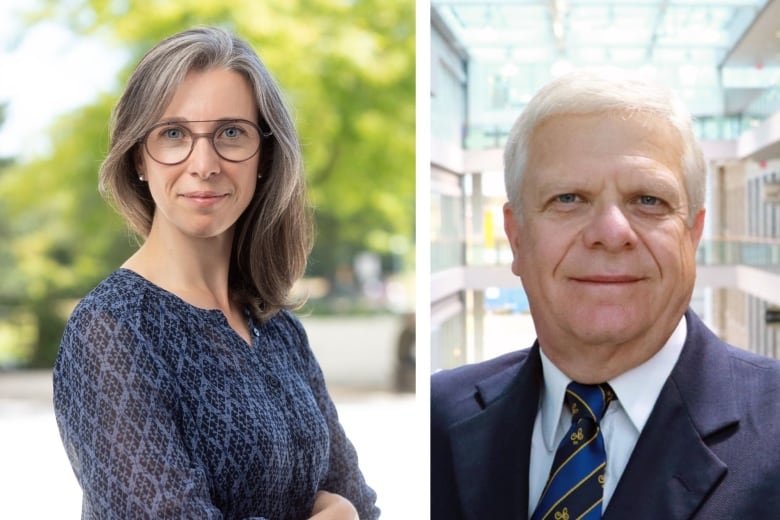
x=574, y=408
x=577, y=437
x=562, y=515
x=602, y=479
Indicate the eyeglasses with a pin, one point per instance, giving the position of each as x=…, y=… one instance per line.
x=234, y=140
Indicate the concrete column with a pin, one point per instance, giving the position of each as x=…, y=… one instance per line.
x=479, y=325
x=477, y=240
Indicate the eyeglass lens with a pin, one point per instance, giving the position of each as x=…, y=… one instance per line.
x=172, y=143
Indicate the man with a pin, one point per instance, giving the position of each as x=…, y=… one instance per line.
x=626, y=406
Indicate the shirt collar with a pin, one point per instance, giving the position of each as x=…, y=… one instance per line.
x=555, y=383
x=637, y=389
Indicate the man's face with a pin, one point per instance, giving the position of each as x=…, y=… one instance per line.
x=603, y=243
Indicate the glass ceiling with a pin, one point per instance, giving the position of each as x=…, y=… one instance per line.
x=515, y=46
x=594, y=32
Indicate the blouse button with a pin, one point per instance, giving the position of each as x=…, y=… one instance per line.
x=255, y=332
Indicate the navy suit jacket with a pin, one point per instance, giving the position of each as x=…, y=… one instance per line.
x=710, y=448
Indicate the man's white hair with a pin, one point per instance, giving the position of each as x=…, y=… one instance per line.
x=588, y=92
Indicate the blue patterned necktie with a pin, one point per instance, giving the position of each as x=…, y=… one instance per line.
x=574, y=489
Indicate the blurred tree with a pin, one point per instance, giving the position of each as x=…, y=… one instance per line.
x=63, y=238
x=347, y=67
x=4, y=161
x=7, y=302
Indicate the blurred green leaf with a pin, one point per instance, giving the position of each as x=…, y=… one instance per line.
x=347, y=67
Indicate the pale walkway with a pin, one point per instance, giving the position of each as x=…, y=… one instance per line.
x=36, y=481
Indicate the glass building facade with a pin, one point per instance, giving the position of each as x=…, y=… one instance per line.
x=489, y=58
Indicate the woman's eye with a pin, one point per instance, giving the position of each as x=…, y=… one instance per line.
x=231, y=132
x=173, y=133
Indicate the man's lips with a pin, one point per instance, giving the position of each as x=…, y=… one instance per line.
x=607, y=278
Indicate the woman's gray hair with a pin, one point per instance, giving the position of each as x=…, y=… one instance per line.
x=274, y=234
x=589, y=92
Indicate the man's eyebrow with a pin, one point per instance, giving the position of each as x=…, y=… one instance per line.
x=640, y=182
x=560, y=185
x=653, y=179
x=660, y=184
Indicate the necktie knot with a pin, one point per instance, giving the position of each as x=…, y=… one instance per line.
x=588, y=401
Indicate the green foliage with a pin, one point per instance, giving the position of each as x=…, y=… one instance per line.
x=347, y=67
x=62, y=237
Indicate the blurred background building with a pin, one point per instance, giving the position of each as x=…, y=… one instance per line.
x=488, y=58
x=349, y=78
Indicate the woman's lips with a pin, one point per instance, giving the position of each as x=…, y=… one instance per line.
x=204, y=198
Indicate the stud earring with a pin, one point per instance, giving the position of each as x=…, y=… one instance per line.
x=141, y=178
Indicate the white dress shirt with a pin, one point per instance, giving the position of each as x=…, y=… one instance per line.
x=637, y=391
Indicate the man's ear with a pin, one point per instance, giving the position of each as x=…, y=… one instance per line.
x=698, y=227
x=514, y=231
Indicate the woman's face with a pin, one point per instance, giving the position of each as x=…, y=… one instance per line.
x=203, y=196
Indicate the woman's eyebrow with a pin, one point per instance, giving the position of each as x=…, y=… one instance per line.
x=175, y=119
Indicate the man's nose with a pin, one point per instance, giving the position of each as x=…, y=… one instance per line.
x=610, y=228
x=204, y=160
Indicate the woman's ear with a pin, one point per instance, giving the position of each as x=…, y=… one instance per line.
x=138, y=162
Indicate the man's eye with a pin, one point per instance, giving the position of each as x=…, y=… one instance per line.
x=649, y=200
x=567, y=198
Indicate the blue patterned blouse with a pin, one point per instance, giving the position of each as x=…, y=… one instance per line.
x=166, y=412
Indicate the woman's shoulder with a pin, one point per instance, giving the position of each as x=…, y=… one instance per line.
x=120, y=292
x=122, y=301
x=285, y=331
x=284, y=326
x=116, y=317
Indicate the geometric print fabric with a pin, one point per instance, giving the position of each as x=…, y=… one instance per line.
x=574, y=489
x=165, y=412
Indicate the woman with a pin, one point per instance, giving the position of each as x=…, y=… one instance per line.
x=184, y=388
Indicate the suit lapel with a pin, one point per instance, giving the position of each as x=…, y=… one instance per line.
x=672, y=469
x=491, y=449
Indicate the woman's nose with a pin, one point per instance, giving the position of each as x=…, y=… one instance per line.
x=204, y=160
